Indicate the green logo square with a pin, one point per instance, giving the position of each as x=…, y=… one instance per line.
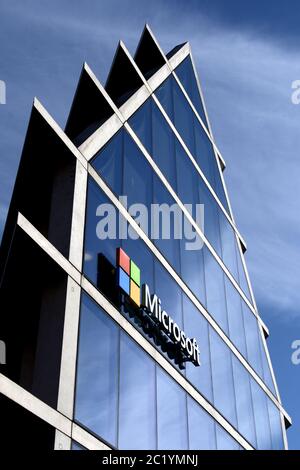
x=135, y=273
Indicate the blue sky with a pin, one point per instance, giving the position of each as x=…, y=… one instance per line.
x=247, y=55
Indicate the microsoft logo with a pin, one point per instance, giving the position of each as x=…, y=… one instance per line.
x=129, y=276
x=154, y=319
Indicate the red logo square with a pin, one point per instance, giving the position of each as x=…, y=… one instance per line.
x=123, y=260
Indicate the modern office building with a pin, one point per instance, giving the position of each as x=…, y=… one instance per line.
x=123, y=331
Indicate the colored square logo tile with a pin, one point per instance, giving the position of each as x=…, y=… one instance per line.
x=135, y=273
x=135, y=293
x=124, y=281
x=123, y=261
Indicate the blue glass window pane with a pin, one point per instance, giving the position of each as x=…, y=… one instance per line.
x=206, y=159
x=93, y=245
x=211, y=218
x=252, y=340
x=228, y=241
x=166, y=242
x=222, y=376
x=215, y=290
x=235, y=317
x=109, y=162
x=97, y=372
x=261, y=416
x=137, y=410
x=185, y=73
x=192, y=268
x=195, y=326
x=224, y=440
x=184, y=118
x=157, y=137
x=202, y=434
x=138, y=177
x=163, y=142
x=171, y=413
x=218, y=187
x=267, y=376
x=275, y=424
x=141, y=123
x=168, y=290
x=164, y=93
x=242, y=276
x=245, y=415
x=187, y=178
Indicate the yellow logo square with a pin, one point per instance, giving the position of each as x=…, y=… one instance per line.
x=135, y=293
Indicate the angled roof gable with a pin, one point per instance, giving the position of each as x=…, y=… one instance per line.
x=149, y=56
x=89, y=109
x=123, y=79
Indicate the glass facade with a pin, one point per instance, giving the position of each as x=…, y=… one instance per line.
x=122, y=394
x=198, y=268
x=221, y=378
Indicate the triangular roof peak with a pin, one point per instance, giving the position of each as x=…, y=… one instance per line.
x=149, y=56
x=123, y=79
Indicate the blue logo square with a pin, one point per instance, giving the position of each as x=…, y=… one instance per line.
x=124, y=281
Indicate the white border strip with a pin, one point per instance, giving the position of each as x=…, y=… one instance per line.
x=86, y=439
x=78, y=216
x=67, y=378
x=60, y=133
x=43, y=243
x=65, y=428
x=33, y=404
x=62, y=441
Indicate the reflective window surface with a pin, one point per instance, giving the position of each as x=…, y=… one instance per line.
x=222, y=375
x=186, y=75
x=202, y=427
x=219, y=379
x=198, y=268
x=224, y=441
x=178, y=169
x=126, y=399
x=244, y=405
x=263, y=431
x=98, y=375
x=172, y=425
x=192, y=132
x=137, y=407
